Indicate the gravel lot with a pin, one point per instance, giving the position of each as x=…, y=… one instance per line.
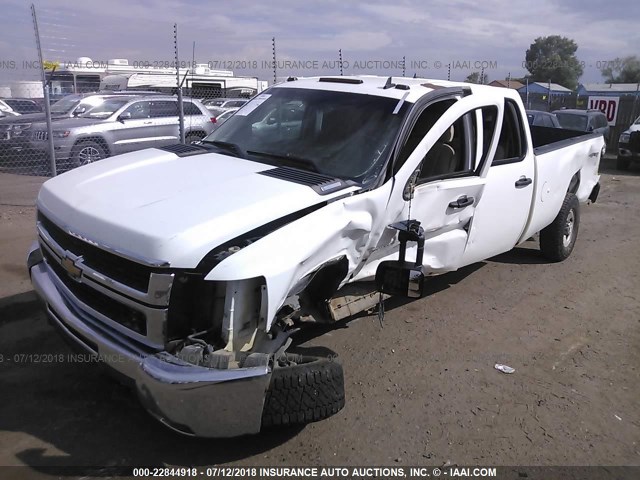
x=421, y=390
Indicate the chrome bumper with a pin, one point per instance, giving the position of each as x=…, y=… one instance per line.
x=192, y=400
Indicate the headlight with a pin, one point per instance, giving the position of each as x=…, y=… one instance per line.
x=21, y=126
x=61, y=133
x=624, y=138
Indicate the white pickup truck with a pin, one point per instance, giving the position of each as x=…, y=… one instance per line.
x=188, y=268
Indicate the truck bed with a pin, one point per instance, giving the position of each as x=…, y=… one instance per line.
x=561, y=155
x=546, y=139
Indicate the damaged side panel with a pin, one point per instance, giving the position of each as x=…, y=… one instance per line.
x=350, y=227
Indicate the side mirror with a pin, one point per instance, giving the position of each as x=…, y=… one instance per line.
x=590, y=128
x=271, y=120
x=124, y=116
x=79, y=111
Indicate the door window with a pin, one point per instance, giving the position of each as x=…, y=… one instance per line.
x=511, y=145
x=164, y=108
x=191, y=109
x=138, y=110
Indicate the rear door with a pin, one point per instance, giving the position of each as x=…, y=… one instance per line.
x=502, y=213
x=166, y=127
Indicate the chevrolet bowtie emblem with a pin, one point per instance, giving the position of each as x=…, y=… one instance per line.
x=71, y=268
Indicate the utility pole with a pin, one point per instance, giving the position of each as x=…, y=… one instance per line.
x=178, y=83
x=45, y=91
x=275, y=64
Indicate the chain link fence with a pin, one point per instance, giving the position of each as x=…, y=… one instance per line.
x=101, y=108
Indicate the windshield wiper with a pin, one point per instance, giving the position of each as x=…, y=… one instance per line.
x=290, y=160
x=228, y=146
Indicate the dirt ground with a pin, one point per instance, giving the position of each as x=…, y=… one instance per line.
x=422, y=390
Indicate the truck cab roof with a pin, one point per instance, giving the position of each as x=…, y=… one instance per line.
x=409, y=89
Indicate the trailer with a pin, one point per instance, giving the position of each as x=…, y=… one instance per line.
x=86, y=75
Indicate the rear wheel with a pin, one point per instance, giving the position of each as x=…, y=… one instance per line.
x=87, y=152
x=558, y=239
x=305, y=387
x=622, y=163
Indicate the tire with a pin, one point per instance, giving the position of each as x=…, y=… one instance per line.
x=622, y=163
x=558, y=239
x=308, y=390
x=87, y=152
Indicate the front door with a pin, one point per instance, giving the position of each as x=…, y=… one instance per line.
x=445, y=173
x=132, y=133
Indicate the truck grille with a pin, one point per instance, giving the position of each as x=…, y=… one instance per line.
x=119, y=313
x=125, y=271
x=112, y=289
x=40, y=136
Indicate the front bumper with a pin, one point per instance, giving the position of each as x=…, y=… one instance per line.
x=625, y=151
x=192, y=400
x=62, y=147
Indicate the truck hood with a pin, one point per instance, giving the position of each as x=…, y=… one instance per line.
x=153, y=204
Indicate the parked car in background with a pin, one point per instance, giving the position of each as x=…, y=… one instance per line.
x=20, y=105
x=629, y=146
x=7, y=114
x=226, y=102
x=14, y=130
x=122, y=124
x=584, y=121
x=224, y=116
x=538, y=118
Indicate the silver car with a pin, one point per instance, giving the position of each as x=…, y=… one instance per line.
x=120, y=125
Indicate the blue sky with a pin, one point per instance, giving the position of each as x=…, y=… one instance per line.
x=430, y=34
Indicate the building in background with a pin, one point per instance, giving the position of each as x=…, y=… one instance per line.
x=515, y=84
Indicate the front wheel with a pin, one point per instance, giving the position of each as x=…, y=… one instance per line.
x=87, y=152
x=305, y=387
x=558, y=239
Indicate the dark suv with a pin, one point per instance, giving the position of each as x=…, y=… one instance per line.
x=584, y=121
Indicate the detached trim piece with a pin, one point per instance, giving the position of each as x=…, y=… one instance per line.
x=182, y=150
x=321, y=184
x=228, y=248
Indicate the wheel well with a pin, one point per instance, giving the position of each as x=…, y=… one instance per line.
x=327, y=279
x=574, y=183
x=99, y=140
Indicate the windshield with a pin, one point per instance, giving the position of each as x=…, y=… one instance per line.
x=572, y=121
x=106, y=108
x=66, y=104
x=344, y=135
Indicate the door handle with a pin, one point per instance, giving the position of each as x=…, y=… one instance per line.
x=462, y=202
x=147, y=123
x=523, y=182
